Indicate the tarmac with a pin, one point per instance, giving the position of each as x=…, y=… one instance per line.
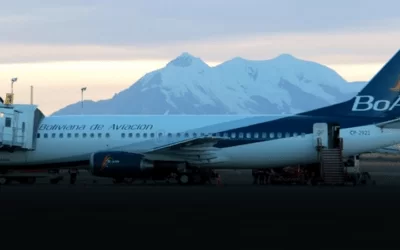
x=237, y=215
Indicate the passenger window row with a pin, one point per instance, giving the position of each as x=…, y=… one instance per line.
x=73, y=135
x=240, y=135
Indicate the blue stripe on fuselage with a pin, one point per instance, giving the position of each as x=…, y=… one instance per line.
x=292, y=124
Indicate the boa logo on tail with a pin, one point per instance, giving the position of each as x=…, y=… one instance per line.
x=396, y=87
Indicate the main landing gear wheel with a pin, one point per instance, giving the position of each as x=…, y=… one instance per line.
x=31, y=180
x=118, y=180
x=184, y=179
x=54, y=181
x=129, y=180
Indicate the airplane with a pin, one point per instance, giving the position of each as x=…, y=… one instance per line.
x=132, y=144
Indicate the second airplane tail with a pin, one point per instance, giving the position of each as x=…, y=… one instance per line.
x=380, y=98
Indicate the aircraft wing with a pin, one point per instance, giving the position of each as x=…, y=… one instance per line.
x=389, y=124
x=195, y=150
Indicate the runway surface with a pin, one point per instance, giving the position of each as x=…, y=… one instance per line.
x=235, y=216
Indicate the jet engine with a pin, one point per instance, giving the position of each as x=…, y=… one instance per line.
x=119, y=163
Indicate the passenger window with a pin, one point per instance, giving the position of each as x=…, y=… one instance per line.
x=130, y=135
x=169, y=135
x=279, y=135
x=145, y=135
x=256, y=135
x=107, y=135
x=61, y=135
x=137, y=135
x=295, y=134
x=194, y=135
x=99, y=135
x=123, y=135
x=233, y=135
x=91, y=135
x=152, y=135
x=178, y=134
x=186, y=135
x=271, y=135
x=8, y=122
x=76, y=135
x=287, y=134
x=264, y=135
x=84, y=135
x=160, y=134
x=241, y=135
x=248, y=135
x=226, y=134
x=53, y=135
x=38, y=135
x=69, y=135
x=45, y=135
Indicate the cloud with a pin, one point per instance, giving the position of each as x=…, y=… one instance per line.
x=158, y=22
x=326, y=48
x=129, y=38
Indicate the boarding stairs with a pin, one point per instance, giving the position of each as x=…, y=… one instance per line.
x=19, y=124
x=331, y=165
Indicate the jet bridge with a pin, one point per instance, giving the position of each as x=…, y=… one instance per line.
x=19, y=124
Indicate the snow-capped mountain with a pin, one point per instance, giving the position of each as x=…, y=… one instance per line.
x=187, y=85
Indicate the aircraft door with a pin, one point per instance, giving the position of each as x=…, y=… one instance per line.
x=320, y=134
x=2, y=123
x=334, y=136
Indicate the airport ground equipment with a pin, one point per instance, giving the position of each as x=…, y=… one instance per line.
x=30, y=176
x=354, y=172
x=329, y=146
x=330, y=167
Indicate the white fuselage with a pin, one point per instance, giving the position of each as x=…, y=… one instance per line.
x=75, y=138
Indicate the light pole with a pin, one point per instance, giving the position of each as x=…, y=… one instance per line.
x=12, y=84
x=82, y=90
x=12, y=89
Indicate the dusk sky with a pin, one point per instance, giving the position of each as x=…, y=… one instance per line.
x=61, y=46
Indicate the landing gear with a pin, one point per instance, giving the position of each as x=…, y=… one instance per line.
x=129, y=180
x=72, y=179
x=29, y=180
x=184, y=179
x=54, y=181
x=196, y=176
x=118, y=180
x=3, y=181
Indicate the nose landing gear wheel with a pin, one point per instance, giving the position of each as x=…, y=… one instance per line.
x=184, y=179
x=3, y=181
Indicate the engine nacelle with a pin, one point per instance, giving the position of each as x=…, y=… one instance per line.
x=118, y=163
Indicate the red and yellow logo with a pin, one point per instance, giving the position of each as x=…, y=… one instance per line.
x=105, y=162
x=396, y=86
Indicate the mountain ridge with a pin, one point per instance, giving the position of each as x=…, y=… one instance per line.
x=188, y=85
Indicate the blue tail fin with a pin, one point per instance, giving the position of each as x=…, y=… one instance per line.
x=380, y=98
